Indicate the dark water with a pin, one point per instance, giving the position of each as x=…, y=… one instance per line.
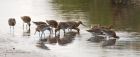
x=123, y=17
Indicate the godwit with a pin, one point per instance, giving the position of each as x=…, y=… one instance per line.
x=100, y=30
x=37, y=24
x=74, y=25
x=11, y=22
x=95, y=30
x=26, y=19
x=52, y=24
x=42, y=28
x=63, y=26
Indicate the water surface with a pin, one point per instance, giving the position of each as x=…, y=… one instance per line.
x=125, y=20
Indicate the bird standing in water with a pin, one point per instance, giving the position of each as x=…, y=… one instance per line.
x=42, y=28
x=63, y=26
x=52, y=24
x=26, y=19
x=74, y=25
x=11, y=23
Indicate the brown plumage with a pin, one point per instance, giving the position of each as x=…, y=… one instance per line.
x=42, y=28
x=74, y=25
x=61, y=25
x=37, y=24
x=26, y=19
x=52, y=23
x=103, y=30
x=11, y=22
x=95, y=30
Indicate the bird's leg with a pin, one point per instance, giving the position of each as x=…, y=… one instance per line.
x=64, y=31
x=58, y=29
x=13, y=29
x=10, y=29
x=26, y=26
x=59, y=32
x=23, y=27
x=78, y=30
x=41, y=35
x=70, y=29
x=52, y=30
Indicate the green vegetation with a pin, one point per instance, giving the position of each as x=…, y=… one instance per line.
x=120, y=13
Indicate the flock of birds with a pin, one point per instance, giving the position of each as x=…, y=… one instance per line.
x=100, y=33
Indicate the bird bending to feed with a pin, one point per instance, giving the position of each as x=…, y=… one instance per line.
x=75, y=25
x=42, y=28
x=37, y=24
x=103, y=30
x=26, y=19
x=63, y=26
x=11, y=22
x=52, y=24
x=95, y=30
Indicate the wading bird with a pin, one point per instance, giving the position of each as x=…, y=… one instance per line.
x=37, y=24
x=42, y=28
x=52, y=24
x=11, y=22
x=26, y=19
x=63, y=26
x=74, y=25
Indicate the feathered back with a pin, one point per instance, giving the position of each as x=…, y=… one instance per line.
x=26, y=19
x=52, y=23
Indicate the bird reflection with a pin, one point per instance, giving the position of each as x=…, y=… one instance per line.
x=42, y=45
x=51, y=39
x=64, y=40
x=97, y=39
x=67, y=38
x=109, y=42
x=27, y=33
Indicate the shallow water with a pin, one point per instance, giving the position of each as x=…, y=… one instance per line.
x=125, y=24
